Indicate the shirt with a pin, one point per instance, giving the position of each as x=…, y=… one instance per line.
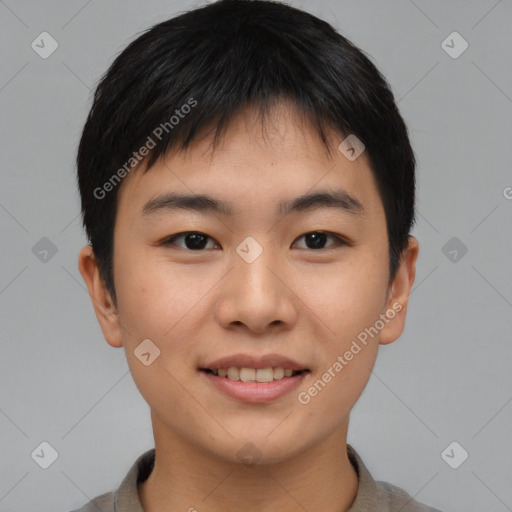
x=371, y=496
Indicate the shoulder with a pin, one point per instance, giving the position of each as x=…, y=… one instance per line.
x=393, y=497
x=104, y=502
x=377, y=495
x=126, y=497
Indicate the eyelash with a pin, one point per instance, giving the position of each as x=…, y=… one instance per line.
x=339, y=241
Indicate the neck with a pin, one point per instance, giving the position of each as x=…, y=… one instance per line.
x=187, y=478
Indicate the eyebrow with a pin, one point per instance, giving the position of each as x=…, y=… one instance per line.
x=173, y=201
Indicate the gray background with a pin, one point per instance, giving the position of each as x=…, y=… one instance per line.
x=446, y=379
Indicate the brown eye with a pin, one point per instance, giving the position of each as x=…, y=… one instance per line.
x=316, y=240
x=193, y=240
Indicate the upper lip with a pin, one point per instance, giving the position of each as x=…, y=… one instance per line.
x=248, y=361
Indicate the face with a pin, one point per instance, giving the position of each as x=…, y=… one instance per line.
x=305, y=283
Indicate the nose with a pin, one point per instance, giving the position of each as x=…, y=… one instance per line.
x=256, y=295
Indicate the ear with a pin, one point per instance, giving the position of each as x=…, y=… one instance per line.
x=106, y=312
x=398, y=296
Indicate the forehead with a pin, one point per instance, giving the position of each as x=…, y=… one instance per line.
x=258, y=162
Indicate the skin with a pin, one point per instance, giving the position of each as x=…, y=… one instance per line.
x=296, y=300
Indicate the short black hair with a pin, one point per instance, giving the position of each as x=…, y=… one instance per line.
x=191, y=74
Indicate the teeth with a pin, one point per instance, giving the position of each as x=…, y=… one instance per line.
x=247, y=374
x=278, y=373
x=233, y=374
x=253, y=374
x=264, y=375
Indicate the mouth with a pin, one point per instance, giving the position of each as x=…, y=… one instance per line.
x=261, y=375
x=254, y=385
x=255, y=379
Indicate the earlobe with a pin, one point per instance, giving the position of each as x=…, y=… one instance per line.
x=104, y=307
x=398, y=298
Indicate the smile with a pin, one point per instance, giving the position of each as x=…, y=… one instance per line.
x=254, y=374
x=252, y=385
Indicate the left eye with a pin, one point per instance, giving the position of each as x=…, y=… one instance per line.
x=318, y=238
x=197, y=241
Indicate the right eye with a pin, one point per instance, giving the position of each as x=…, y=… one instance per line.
x=193, y=240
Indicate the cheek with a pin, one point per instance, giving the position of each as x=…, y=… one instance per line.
x=164, y=303
x=333, y=394
x=151, y=293
x=157, y=303
x=348, y=303
x=348, y=296
x=349, y=306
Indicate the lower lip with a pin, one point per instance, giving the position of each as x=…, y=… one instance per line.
x=256, y=392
